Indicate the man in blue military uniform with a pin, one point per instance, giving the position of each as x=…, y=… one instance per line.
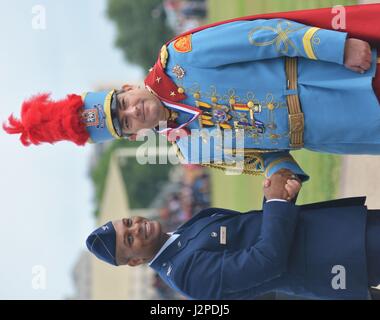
x=249, y=91
x=244, y=76
x=326, y=250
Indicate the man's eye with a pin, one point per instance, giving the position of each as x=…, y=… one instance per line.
x=125, y=123
x=130, y=240
x=120, y=103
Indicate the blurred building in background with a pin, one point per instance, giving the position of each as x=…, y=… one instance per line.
x=82, y=277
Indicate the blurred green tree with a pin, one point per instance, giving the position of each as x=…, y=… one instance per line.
x=141, y=32
x=143, y=182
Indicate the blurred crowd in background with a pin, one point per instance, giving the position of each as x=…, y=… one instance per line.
x=191, y=196
x=182, y=15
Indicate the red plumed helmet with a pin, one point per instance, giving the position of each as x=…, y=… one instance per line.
x=44, y=120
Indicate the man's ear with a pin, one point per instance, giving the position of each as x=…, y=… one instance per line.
x=128, y=87
x=132, y=262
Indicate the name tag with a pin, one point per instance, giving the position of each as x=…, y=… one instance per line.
x=223, y=235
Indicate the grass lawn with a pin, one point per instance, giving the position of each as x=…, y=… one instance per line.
x=244, y=192
x=227, y=9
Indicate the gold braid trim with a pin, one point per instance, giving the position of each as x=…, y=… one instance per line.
x=253, y=165
x=253, y=161
x=249, y=151
x=224, y=167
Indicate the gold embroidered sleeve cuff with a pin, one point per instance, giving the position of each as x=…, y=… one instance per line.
x=307, y=41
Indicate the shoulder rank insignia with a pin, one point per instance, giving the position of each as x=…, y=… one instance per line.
x=164, y=56
x=183, y=44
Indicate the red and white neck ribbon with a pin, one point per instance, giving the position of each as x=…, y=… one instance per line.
x=181, y=108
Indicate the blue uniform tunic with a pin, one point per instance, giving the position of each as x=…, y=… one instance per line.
x=235, y=73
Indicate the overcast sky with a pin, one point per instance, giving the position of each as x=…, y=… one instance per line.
x=46, y=194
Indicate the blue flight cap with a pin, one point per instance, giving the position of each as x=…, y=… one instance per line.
x=102, y=243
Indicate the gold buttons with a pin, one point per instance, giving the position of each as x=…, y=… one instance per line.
x=250, y=104
x=214, y=99
x=197, y=95
x=232, y=101
x=270, y=106
x=181, y=90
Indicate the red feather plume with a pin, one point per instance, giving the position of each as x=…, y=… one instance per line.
x=44, y=120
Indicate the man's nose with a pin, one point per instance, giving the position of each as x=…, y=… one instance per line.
x=131, y=111
x=137, y=228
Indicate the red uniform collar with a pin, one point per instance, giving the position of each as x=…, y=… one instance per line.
x=167, y=91
x=162, y=85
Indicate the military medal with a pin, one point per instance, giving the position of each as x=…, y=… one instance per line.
x=193, y=113
x=178, y=71
x=219, y=115
x=216, y=115
x=245, y=115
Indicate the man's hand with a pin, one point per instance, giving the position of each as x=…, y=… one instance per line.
x=357, y=55
x=282, y=185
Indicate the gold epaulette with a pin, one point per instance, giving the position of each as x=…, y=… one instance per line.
x=164, y=54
